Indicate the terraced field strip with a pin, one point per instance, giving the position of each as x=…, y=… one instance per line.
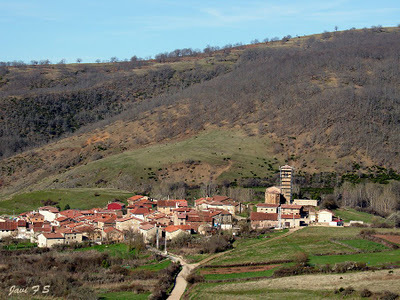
x=389, y=237
x=238, y=272
x=316, y=286
x=364, y=245
x=371, y=259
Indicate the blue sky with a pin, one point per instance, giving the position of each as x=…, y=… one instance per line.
x=96, y=29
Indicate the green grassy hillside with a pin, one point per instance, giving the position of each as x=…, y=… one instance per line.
x=212, y=155
x=80, y=198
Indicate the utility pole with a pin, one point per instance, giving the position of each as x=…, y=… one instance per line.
x=279, y=218
x=157, y=240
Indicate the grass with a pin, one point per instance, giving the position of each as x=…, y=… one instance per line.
x=117, y=250
x=20, y=246
x=364, y=245
x=311, y=240
x=230, y=154
x=350, y=214
x=156, y=266
x=265, y=273
x=372, y=259
x=80, y=198
x=210, y=291
x=248, y=242
x=123, y=296
x=315, y=286
x=195, y=258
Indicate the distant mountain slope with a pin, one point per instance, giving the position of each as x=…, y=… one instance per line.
x=322, y=103
x=44, y=102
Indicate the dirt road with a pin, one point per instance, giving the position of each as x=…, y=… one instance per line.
x=181, y=283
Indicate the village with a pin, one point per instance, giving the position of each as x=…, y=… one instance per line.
x=151, y=218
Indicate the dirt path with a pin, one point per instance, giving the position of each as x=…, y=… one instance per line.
x=181, y=283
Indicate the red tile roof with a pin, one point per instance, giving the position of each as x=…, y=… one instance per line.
x=34, y=214
x=173, y=228
x=220, y=198
x=115, y=205
x=109, y=229
x=136, y=197
x=84, y=228
x=172, y=203
x=290, y=216
x=267, y=205
x=108, y=220
x=71, y=213
x=182, y=209
x=292, y=206
x=140, y=211
x=146, y=226
x=62, y=219
x=259, y=216
x=49, y=208
x=127, y=218
x=7, y=225
x=211, y=199
x=51, y=235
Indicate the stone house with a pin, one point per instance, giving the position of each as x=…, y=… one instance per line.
x=166, y=206
x=267, y=208
x=260, y=220
x=223, y=220
x=148, y=231
x=49, y=239
x=291, y=209
x=112, y=234
x=134, y=199
x=128, y=223
x=290, y=220
x=174, y=231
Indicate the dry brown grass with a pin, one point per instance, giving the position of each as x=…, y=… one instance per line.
x=374, y=281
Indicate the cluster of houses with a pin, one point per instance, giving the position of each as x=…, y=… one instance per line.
x=278, y=212
x=48, y=226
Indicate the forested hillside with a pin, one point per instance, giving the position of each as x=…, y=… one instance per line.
x=319, y=103
x=39, y=103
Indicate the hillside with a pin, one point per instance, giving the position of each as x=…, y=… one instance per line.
x=40, y=103
x=320, y=103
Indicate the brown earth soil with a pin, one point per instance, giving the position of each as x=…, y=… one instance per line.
x=238, y=269
x=391, y=238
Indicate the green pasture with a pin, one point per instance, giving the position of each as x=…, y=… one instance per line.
x=235, y=152
x=372, y=259
x=350, y=214
x=364, y=245
x=79, y=198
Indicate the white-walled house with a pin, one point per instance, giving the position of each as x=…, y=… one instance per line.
x=148, y=231
x=267, y=208
x=48, y=240
x=325, y=216
x=49, y=213
x=8, y=228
